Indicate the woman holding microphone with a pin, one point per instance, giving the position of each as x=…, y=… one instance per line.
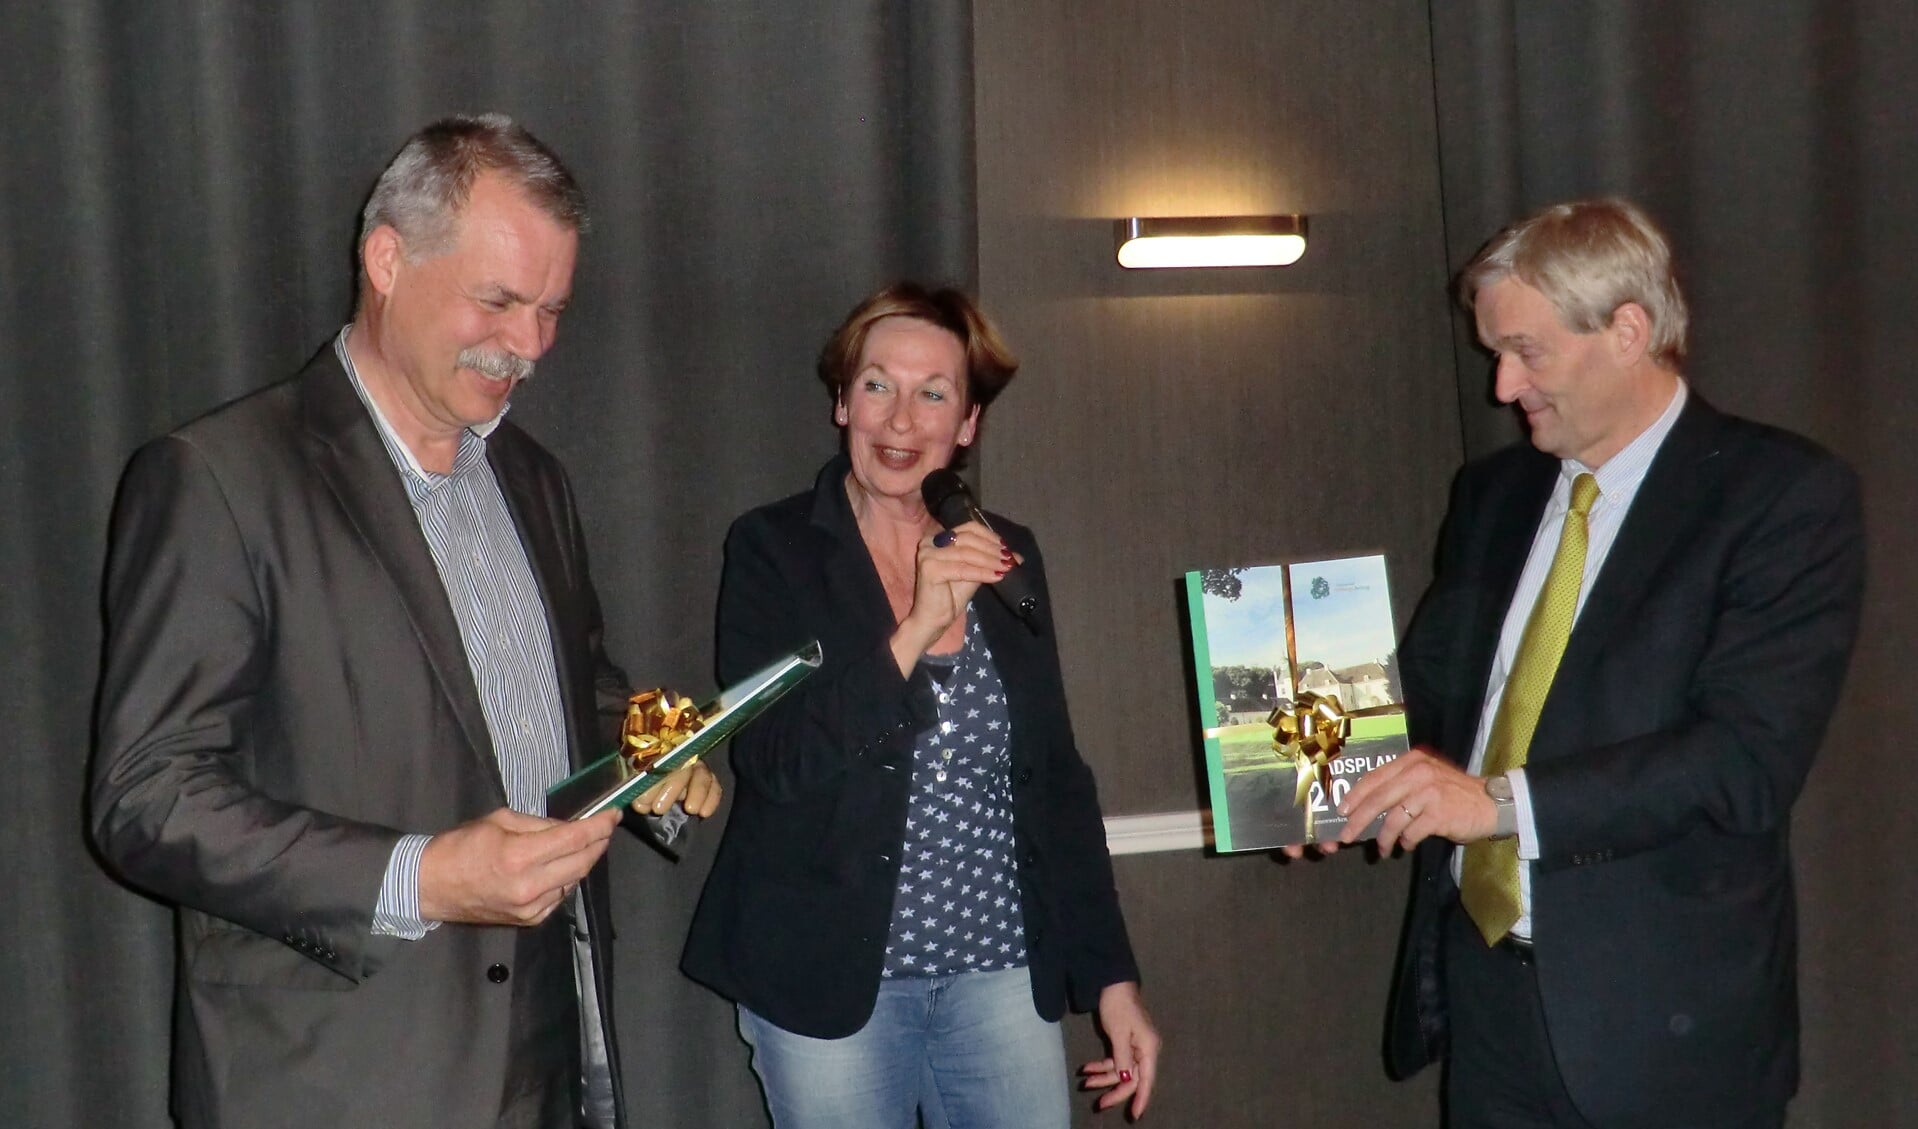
x=914, y=882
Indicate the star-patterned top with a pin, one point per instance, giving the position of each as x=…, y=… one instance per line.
x=956, y=905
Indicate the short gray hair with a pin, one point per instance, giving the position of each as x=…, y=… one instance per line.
x=424, y=189
x=1588, y=258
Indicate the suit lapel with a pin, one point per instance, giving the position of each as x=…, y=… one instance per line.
x=1514, y=526
x=1684, y=469
x=346, y=451
x=848, y=574
x=1512, y=506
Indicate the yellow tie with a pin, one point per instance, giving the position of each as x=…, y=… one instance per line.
x=1488, y=883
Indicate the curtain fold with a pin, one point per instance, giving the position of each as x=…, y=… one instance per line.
x=178, y=201
x=179, y=186
x=1773, y=140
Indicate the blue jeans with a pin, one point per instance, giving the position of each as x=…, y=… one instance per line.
x=967, y=1050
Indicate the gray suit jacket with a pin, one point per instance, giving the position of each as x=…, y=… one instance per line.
x=284, y=694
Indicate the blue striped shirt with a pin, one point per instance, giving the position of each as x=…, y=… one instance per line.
x=502, y=621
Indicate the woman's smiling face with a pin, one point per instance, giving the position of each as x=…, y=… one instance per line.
x=906, y=406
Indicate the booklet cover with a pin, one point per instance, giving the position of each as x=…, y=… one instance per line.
x=615, y=780
x=1297, y=678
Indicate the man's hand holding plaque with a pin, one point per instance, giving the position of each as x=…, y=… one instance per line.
x=662, y=741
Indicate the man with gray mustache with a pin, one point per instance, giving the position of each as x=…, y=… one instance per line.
x=350, y=642
x=499, y=366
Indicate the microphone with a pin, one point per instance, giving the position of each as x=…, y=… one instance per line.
x=950, y=503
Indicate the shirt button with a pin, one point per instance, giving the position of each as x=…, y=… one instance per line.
x=946, y=753
x=940, y=776
x=498, y=973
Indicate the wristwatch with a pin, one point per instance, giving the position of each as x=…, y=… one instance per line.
x=1500, y=789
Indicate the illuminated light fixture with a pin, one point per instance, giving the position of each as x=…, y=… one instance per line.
x=1209, y=241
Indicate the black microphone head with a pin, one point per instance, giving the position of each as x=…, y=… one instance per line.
x=946, y=497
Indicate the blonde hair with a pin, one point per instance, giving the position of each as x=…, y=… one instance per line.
x=1588, y=258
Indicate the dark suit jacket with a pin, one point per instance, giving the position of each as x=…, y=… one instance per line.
x=794, y=917
x=1681, y=725
x=284, y=694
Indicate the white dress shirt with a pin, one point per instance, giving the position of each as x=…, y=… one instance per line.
x=1618, y=483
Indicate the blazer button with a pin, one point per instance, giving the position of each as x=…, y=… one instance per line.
x=1025, y=776
x=498, y=974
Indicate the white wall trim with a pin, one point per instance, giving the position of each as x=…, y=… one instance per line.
x=1159, y=831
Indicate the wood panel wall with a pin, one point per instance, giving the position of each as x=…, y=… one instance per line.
x=1165, y=421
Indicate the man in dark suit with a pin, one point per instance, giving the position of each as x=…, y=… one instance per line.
x=1618, y=681
x=350, y=640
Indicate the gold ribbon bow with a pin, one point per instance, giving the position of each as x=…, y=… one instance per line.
x=1310, y=734
x=657, y=721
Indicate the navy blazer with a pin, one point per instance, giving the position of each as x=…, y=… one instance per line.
x=794, y=918
x=1681, y=725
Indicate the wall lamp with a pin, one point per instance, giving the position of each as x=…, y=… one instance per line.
x=1209, y=241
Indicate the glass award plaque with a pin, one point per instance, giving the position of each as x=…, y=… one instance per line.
x=616, y=779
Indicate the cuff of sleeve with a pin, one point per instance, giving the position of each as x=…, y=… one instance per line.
x=905, y=704
x=398, y=912
x=1527, y=829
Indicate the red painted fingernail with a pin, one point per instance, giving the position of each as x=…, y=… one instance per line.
x=1125, y=1076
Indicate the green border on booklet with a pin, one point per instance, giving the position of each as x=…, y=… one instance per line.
x=1208, y=708
x=611, y=782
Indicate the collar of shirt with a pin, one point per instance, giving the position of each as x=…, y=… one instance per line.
x=1623, y=473
x=472, y=440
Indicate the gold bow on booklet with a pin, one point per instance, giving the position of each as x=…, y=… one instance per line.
x=665, y=732
x=1309, y=734
x=1298, y=686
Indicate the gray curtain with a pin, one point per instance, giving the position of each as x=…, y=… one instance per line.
x=179, y=184
x=1775, y=139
